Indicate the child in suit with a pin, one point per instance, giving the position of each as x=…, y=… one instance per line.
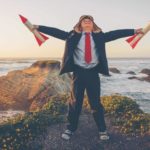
x=86, y=58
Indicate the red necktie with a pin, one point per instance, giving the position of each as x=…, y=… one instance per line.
x=88, y=56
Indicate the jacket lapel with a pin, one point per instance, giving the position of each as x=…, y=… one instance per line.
x=74, y=40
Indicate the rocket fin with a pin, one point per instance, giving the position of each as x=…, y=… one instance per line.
x=45, y=37
x=135, y=43
x=131, y=38
x=38, y=40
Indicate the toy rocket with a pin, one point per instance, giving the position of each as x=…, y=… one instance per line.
x=133, y=40
x=39, y=36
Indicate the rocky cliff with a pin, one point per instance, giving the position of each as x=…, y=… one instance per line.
x=30, y=88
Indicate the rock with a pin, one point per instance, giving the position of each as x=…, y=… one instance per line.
x=131, y=72
x=145, y=71
x=30, y=88
x=133, y=77
x=146, y=78
x=141, y=78
x=51, y=64
x=114, y=70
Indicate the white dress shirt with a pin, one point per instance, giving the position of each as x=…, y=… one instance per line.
x=79, y=53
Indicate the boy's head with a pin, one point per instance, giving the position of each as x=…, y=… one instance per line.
x=86, y=23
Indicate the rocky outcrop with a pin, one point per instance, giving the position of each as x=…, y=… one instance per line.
x=131, y=72
x=145, y=71
x=141, y=78
x=30, y=88
x=114, y=70
x=145, y=78
x=133, y=77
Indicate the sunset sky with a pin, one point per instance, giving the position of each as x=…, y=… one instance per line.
x=17, y=41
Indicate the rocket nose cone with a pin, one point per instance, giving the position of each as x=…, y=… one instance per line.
x=23, y=18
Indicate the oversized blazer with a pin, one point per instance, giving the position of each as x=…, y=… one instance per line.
x=72, y=38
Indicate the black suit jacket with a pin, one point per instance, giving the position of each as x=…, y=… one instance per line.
x=72, y=38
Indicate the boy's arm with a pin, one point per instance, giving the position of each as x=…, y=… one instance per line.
x=116, y=34
x=55, y=32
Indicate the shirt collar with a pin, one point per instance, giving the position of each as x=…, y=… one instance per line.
x=83, y=32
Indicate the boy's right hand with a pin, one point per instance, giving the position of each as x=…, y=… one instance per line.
x=35, y=27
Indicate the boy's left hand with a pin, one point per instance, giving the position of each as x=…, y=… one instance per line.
x=139, y=31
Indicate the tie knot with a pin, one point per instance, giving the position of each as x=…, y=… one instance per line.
x=87, y=33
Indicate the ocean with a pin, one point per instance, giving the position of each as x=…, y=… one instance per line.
x=117, y=83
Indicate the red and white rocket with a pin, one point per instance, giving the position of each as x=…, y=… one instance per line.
x=39, y=36
x=133, y=40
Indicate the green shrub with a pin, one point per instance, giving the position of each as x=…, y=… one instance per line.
x=17, y=132
x=120, y=105
x=127, y=114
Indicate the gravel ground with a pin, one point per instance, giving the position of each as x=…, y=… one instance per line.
x=86, y=137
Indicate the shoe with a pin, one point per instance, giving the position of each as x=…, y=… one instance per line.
x=67, y=134
x=103, y=135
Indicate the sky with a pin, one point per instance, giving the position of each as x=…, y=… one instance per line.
x=17, y=41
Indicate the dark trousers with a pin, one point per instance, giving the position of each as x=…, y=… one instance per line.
x=88, y=79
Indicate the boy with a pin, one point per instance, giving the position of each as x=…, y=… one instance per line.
x=85, y=56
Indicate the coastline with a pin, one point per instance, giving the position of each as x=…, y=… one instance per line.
x=46, y=104
x=115, y=81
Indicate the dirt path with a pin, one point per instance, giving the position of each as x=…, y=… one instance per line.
x=86, y=138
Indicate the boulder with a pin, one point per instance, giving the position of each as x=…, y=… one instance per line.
x=131, y=72
x=133, y=77
x=147, y=78
x=145, y=71
x=114, y=70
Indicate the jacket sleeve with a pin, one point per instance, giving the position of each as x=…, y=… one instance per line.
x=55, y=32
x=116, y=34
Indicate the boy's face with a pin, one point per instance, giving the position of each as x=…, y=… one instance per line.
x=87, y=24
